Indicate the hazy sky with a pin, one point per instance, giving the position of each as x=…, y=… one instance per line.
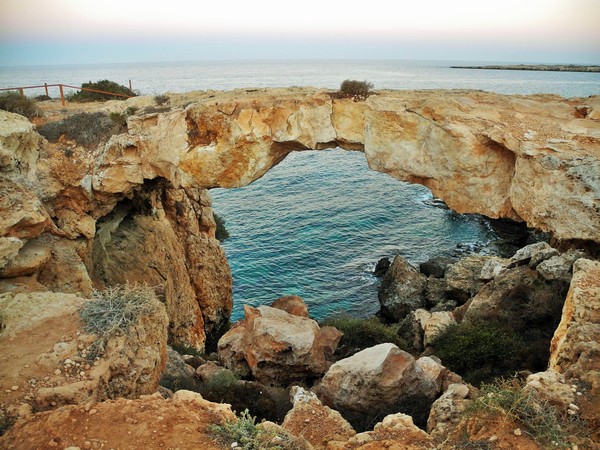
x=98, y=31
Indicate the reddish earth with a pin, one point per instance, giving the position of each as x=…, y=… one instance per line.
x=150, y=422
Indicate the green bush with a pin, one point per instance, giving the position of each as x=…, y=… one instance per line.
x=247, y=435
x=363, y=333
x=355, y=88
x=161, y=99
x=479, y=351
x=102, y=85
x=113, y=311
x=85, y=128
x=185, y=349
x=19, y=104
x=506, y=399
x=221, y=232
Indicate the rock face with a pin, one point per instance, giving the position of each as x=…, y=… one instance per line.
x=277, y=347
x=574, y=348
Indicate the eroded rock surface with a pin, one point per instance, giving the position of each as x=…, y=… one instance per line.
x=277, y=347
x=574, y=348
x=47, y=356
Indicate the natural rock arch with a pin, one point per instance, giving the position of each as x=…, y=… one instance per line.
x=531, y=158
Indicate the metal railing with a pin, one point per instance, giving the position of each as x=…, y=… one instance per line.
x=61, y=87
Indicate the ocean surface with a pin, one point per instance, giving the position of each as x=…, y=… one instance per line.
x=316, y=224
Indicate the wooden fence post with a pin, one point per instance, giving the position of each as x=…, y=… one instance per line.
x=62, y=94
x=46, y=87
x=130, y=85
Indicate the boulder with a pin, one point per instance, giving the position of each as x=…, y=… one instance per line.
x=559, y=267
x=532, y=255
x=447, y=410
x=411, y=329
x=176, y=365
x=231, y=350
x=492, y=268
x=315, y=422
x=464, y=277
x=376, y=381
x=574, y=347
x=520, y=297
x=382, y=267
x=436, y=267
x=291, y=304
x=177, y=374
x=437, y=323
x=210, y=370
x=436, y=292
x=550, y=386
x=402, y=290
x=277, y=347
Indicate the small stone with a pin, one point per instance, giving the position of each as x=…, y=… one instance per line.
x=87, y=444
x=573, y=406
x=517, y=432
x=574, y=447
x=93, y=411
x=15, y=388
x=578, y=393
x=57, y=372
x=493, y=438
x=82, y=373
x=52, y=443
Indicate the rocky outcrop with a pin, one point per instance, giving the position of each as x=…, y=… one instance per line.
x=277, y=347
x=47, y=358
x=315, y=422
x=574, y=347
x=181, y=422
x=402, y=290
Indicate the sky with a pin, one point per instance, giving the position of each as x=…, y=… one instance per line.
x=42, y=32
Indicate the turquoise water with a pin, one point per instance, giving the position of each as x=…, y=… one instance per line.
x=316, y=224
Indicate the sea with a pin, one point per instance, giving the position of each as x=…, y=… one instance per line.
x=316, y=224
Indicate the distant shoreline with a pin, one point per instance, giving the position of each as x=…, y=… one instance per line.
x=538, y=67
